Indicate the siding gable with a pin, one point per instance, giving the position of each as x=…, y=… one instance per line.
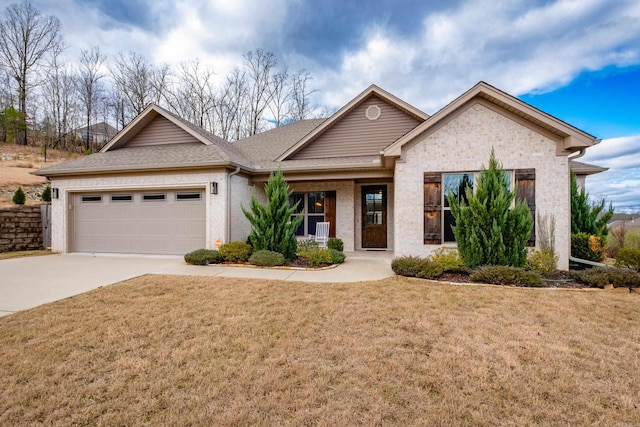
x=356, y=135
x=161, y=131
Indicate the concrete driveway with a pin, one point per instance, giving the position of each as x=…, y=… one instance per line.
x=31, y=281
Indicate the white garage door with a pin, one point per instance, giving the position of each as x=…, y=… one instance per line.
x=151, y=222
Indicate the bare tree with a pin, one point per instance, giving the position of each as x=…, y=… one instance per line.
x=259, y=65
x=230, y=106
x=26, y=36
x=300, y=106
x=89, y=88
x=280, y=95
x=59, y=100
x=138, y=82
x=193, y=95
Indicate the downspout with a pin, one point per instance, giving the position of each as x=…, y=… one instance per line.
x=580, y=154
x=228, y=228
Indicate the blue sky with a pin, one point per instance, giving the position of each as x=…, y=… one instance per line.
x=578, y=60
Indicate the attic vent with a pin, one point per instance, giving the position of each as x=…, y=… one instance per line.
x=372, y=112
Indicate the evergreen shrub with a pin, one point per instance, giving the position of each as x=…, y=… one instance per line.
x=628, y=257
x=265, y=258
x=236, y=251
x=506, y=275
x=18, y=197
x=203, y=257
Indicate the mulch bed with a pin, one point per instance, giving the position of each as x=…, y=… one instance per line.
x=559, y=279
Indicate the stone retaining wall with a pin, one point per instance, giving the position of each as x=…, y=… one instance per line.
x=20, y=228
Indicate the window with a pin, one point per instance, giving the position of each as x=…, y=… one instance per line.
x=312, y=207
x=438, y=218
x=188, y=196
x=91, y=199
x=154, y=197
x=122, y=197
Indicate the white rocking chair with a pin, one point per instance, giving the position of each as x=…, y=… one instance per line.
x=322, y=234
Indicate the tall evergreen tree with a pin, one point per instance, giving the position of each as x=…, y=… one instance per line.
x=487, y=230
x=587, y=218
x=272, y=225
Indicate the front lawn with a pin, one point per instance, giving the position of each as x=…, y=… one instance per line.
x=168, y=350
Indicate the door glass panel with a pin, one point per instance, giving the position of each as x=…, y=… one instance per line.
x=374, y=213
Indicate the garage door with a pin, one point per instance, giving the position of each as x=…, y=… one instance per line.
x=158, y=222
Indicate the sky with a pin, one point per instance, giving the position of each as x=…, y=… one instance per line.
x=578, y=60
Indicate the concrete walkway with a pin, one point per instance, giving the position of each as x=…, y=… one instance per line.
x=31, y=281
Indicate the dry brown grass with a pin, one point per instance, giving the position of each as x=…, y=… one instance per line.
x=163, y=350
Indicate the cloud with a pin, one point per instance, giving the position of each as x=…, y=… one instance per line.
x=517, y=47
x=621, y=183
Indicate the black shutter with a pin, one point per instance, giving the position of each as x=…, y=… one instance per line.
x=526, y=184
x=432, y=208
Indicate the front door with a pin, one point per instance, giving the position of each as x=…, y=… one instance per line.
x=374, y=217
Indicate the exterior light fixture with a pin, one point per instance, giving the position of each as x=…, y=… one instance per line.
x=214, y=187
x=55, y=193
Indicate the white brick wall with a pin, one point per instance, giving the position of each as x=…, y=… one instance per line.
x=241, y=193
x=215, y=204
x=464, y=143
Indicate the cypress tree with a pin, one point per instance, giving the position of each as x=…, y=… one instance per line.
x=19, y=197
x=272, y=227
x=487, y=230
x=584, y=216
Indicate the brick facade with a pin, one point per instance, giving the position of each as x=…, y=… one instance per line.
x=463, y=144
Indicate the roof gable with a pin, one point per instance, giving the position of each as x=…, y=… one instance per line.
x=351, y=120
x=571, y=138
x=157, y=126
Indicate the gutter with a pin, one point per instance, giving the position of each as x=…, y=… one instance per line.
x=588, y=262
x=580, y=154
x=228, y=185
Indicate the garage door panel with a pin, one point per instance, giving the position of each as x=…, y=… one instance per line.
x=134, y=225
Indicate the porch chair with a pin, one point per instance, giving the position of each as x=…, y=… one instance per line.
x=322, y=234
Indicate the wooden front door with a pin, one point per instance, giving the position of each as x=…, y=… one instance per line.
x=374, y=217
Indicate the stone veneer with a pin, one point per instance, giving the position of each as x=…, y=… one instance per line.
x=463, y=143
x=20, y=228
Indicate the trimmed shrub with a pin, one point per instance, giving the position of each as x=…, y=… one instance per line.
x=412, y=266
x=335, y=243
x=46, y=194
x=543, y=262
x=316, y=257
x=203, y=257
x=449, y=259
x=628, y=257
x=18, y=197
x=407, y=265
x=266, y=258
x=236, y=251
x=504, y=275
x=599, y=277
x=337, y=257
x=429, y=270
x=585, y=246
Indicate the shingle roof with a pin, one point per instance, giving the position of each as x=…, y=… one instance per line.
x=148, y=157
x=581, y=168
x=269, y=145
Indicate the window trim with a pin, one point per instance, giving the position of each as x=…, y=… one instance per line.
x=154, y=197
x=91, y=198
x=435, y=208
x=305, y=210
x=186, y=196
x=130, y=199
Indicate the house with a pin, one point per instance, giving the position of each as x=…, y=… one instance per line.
x=99, y=133
x=377, y=170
